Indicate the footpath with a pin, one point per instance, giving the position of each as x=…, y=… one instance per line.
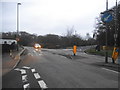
x=10, y=60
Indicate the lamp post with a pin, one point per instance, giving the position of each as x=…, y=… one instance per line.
x=18, y=25
x=115, y=35
x=106, y=52
x=116, y=30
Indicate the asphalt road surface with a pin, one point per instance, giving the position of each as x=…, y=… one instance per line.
x=57, y=68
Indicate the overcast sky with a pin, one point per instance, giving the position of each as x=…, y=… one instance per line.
x=43, y=17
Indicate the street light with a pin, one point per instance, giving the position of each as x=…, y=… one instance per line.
x=106, y=54
x=116, y=25
x=116, y=29
x=18, y=25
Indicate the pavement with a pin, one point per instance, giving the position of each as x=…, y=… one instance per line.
x=10, y=60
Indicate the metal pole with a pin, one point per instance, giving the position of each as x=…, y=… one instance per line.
x=116, y=25
x=18, y=24
x=106, y=53
x=115, y=35
x=17, y=19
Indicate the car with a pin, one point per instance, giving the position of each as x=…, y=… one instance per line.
x=37, y=46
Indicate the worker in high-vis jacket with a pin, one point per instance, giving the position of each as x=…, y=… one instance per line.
x=115, y=54
x=74, y=49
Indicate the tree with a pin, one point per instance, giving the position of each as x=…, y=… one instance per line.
x=100, y=29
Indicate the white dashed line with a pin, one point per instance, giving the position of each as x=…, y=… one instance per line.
x=26, y=67
x=110, y=70
x=33, y=70
x=42, y=84
x=22, y=70
x=24, y=78
x=17, y=69
x=37, y=76
x=26, y=86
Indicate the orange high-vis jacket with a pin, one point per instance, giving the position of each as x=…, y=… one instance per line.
x=115, y=53
x=74, y=49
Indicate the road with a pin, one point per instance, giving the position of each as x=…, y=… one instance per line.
x=57, y=68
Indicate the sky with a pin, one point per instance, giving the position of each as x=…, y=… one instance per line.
x=43, y=17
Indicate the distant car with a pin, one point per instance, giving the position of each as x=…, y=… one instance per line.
x=37, y=46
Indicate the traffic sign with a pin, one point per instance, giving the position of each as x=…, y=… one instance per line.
x=107, y=17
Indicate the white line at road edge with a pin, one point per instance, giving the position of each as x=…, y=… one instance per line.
x=37, y=76
x=110, y=70
x=42, y=84
x=26, y=86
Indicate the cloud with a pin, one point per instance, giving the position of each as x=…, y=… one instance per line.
x=53, y=16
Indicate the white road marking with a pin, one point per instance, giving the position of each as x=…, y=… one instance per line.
x=26, y=67
x=26, y=86
x=22, y=70
x=110, y=70
x=33, y=70
x=37, y=76
x=40, y=54
x=17, y=69
x=42, y=84
x=30, y=54
x=24, y=78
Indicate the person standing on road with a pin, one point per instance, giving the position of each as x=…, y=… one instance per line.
x=74, y=49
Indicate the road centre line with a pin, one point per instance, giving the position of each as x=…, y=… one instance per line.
x=42, y=84
x=110, y=70
x=37, y=76
x=26, y=86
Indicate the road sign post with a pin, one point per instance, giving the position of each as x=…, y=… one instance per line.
x=106, y=18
